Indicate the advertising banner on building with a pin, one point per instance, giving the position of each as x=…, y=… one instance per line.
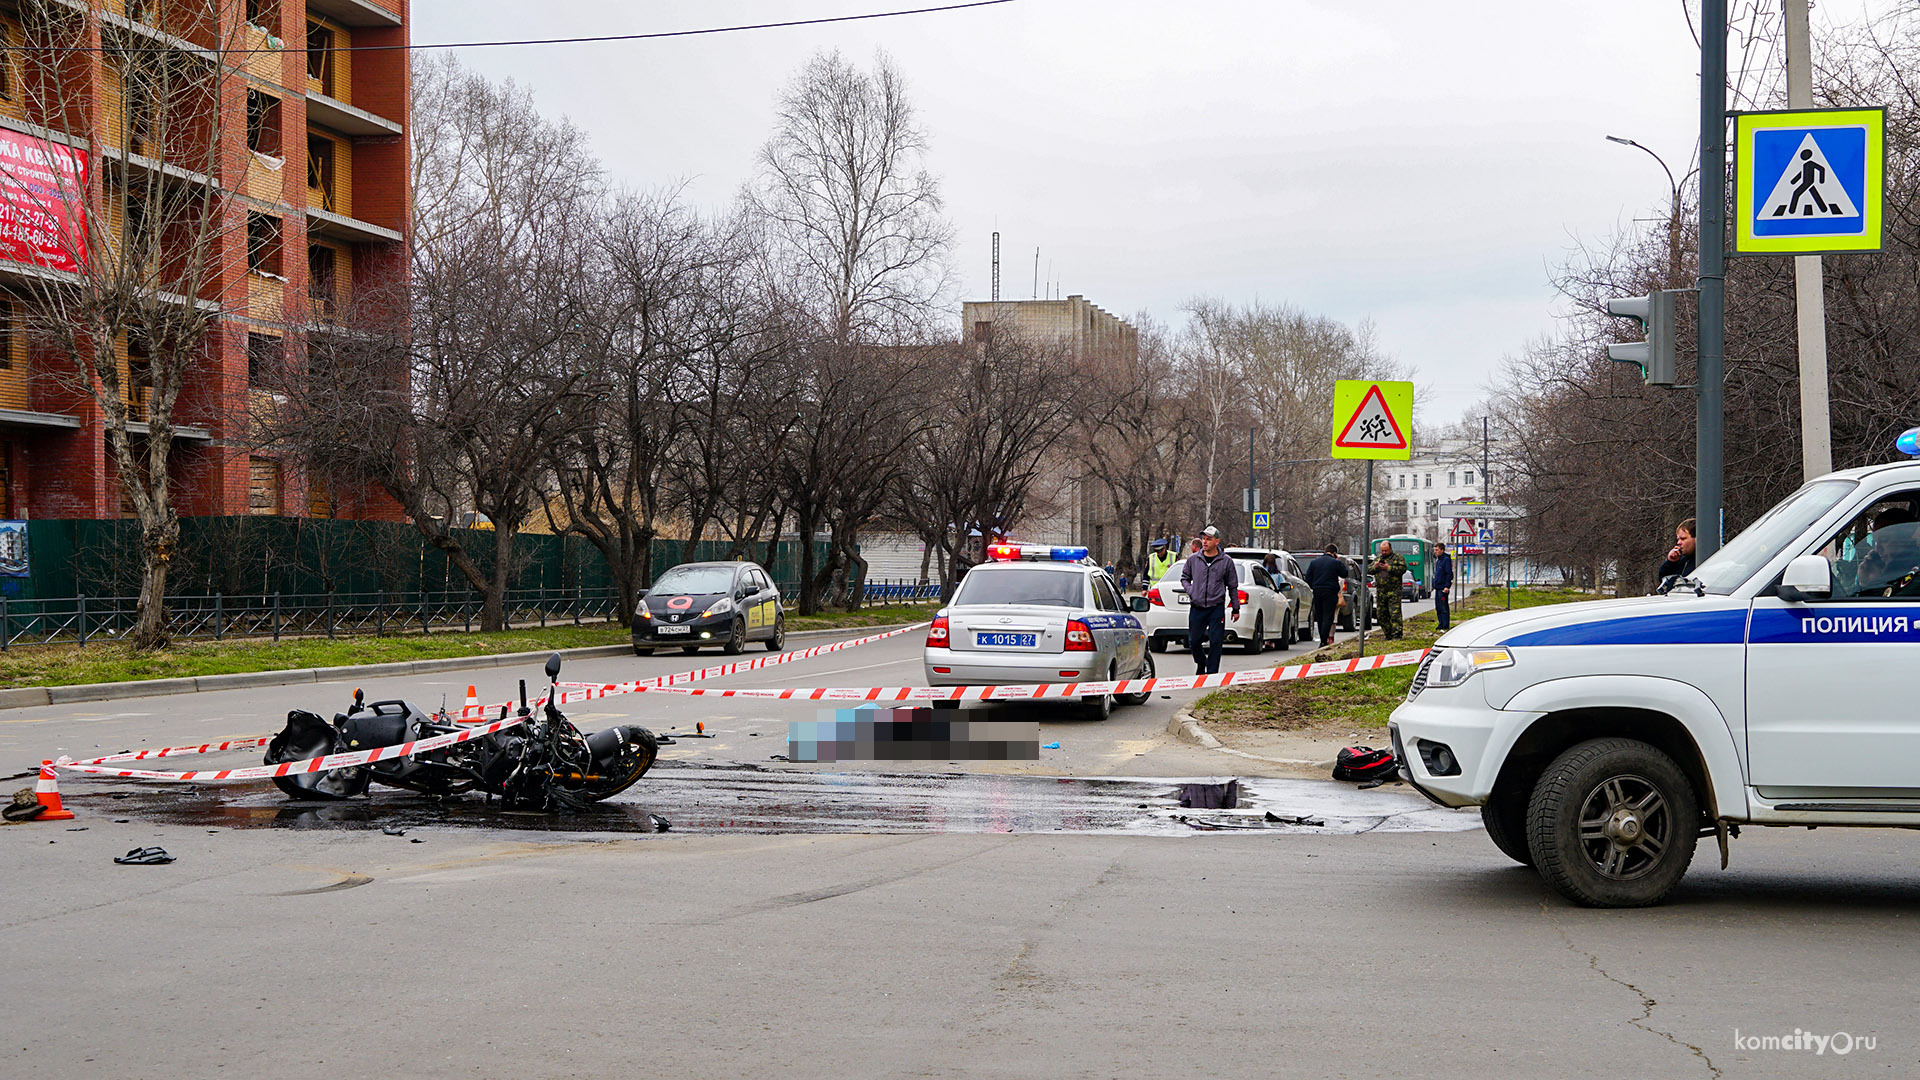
x=40, y=183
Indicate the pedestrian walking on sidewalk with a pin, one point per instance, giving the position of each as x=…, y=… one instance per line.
x=1325, y=575
x=1389, y=570
x=1212, y=584
x=1442, y=585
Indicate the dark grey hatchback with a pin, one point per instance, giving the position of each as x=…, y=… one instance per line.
x=695, y=605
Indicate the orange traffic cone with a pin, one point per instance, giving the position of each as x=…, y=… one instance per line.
x=47, y=790
x=472, y=708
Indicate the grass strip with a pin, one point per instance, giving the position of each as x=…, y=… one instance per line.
x=68, y=665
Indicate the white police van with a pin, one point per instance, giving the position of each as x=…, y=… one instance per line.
x=1772, y=687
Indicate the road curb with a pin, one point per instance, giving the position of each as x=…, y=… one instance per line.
x=1184, y=726
x=29, y=696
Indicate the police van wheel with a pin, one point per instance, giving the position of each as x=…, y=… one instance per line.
x=1505, y=816
x=1612, y=823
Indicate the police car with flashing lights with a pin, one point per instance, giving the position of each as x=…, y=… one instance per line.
x=1774, y=686
x=1038, y=614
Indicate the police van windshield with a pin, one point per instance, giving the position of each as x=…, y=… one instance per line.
x=1021, y=585
x=1745, y=554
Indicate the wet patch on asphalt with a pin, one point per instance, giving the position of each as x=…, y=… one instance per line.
x=751, y=800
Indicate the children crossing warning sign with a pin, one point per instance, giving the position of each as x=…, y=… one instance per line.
x=1373, y=420
x=1809, y=181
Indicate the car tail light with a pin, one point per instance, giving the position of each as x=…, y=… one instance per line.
x=1242, y=594
x=1079, y=636
x=937, y=633
x=1153, y=597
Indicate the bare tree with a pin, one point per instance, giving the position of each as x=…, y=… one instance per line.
x=853, y=214
x=140, y=244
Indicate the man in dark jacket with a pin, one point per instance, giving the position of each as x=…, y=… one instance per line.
x=1212, y=583
x=1442, y=585
x=1324, y=575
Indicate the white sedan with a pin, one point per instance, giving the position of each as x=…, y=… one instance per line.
x=1266, y=614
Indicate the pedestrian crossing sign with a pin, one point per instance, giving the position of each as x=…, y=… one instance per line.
x=1373, y=420
x=1808, y=182
x=1262, y=518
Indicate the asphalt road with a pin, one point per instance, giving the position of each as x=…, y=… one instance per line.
x=316, y=953
x=1133, y=742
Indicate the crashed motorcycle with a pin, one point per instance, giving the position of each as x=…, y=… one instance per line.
x=542, y=763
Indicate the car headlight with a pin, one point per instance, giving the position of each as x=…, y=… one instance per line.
x=1453, y=666
x=645, y=614
x=720, y=607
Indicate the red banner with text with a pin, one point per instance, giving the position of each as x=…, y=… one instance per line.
x=40, y=184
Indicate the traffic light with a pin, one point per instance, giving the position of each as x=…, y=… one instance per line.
x=1654, y=356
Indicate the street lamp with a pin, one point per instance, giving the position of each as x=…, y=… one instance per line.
x=1673, y=219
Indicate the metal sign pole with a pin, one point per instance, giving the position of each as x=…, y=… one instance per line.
x=1709, y=439
x=1366, y=564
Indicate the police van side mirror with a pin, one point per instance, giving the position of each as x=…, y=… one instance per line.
x=1809, y=577
x=1138, y=603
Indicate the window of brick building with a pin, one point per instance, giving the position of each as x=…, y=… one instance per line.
x=263, y=13
x=263, y=244
x=9, y=332
x=320, y=497
x=320, y=56
x=6, y=480
x=982, y=331
x=263, y=123
x=320, y=168
x=6, y=64
x=139, y=384
x=265, y=356
x=320, y=280
x=263, y=486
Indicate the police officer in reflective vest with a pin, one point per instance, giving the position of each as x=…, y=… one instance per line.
x=1159, y=563
x=1388, y=570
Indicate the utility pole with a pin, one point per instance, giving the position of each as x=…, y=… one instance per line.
x=1366, y=559
x=1710, y=413
x=996, y=275
x=1809, y=278
x=1486, y=491
x=1253, y=493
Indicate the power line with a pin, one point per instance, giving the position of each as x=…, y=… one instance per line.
x=546, y=41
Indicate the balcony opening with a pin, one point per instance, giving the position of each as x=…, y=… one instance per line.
x=320, y=56
x=320, y=278
x=320, y=152
x=137, y=391
x=263, y=244
x=264, y=14
x=263, y=487
x=9, y=332
x=266, y=359
x=263, y=123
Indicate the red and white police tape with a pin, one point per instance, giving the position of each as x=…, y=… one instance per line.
x=1029, y=691
x=286, y=768
x=669, y=684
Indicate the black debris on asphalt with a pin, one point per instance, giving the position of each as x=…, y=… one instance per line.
x=145, y=856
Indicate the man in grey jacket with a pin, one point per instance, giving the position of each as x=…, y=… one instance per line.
x=1212, y=584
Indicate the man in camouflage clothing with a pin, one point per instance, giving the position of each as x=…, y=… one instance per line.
x=1388, y=571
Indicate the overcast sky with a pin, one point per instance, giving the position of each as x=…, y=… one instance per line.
x=1415, y=163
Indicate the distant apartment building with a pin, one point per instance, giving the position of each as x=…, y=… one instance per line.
x=313, y=101
x=1412, y=495
x=1067, y=508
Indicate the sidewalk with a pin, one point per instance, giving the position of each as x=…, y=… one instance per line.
x=28, y=696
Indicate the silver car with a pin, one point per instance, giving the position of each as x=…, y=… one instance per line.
x=1038, y=614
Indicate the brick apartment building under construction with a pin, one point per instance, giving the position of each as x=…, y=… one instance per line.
x=313, y=104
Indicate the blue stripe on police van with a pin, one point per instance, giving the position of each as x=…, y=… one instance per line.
x=1891, y=621
x=1723, y=627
